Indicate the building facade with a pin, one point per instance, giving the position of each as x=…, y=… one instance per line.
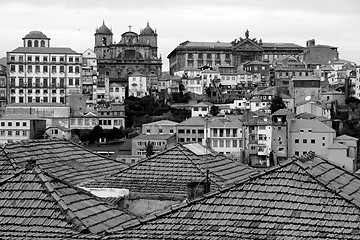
x=160, y=127
x=235, y=53
x=89, y=77
x=40, y=73
x=134, y=53
x=15, y=128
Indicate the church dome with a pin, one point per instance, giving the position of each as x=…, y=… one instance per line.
x=147, y=30
x=36, y=35
x=103, y=30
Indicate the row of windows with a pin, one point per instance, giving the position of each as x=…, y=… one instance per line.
x=38, y=99
x=108, y=122
x=193, y=131
x=160, y=131
x=199, y=140
x=226, y=143
x=291, y=74
x=42, y=82
x=81, y=121
x=157, y=143
x=208, y=55
x=30, y=58
x=13, y=133
x=224, y=132
x=37, y=91
x=45, y=68
x=10, y=124
x=200, y=109
x=305, y=140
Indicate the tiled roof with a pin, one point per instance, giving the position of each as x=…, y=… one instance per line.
x=54, y=50
x=225, y=123
x=345, y=137
x=153, y=136
x=21, y=117
x=161, y=123
x=34, y=204
x=303, y=198
x=202, y=104
x=193, y=121
x=307, y=78
x=67, y=161
x=168, y=173
x=314, y=124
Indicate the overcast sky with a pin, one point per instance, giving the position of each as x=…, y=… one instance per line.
x=72, y=23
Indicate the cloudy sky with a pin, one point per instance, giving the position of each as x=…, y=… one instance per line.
x=72, y=23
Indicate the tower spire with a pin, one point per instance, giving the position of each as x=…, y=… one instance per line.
x=129, y=28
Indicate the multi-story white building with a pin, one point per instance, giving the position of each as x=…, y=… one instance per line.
x=15, y=128
x=89, y=77
x=225, y=135
x=40, y=73
x=357, y=82
x=138, y=85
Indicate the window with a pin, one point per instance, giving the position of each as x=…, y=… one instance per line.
x=312, y=140
x=2, y=124
x=296, y=153
x=215, y=143
x=71, y=69
x=17, y=124
x=9, y=133
x=296, y=140
x=304, y=140
x=181, y=131
x=71, y=59
x=77, y=69
x=17, y=133
x=21, y=68
x=227, y=143
x=2, y=133
x=12, y=68
x=61, y=59
x=53, y=69
x=221, y=143
x=9, y=124
x=71, y=81
x=24, y=133
x=234, y=143
x=45, y=59
x=45, y=69
x=62, y=69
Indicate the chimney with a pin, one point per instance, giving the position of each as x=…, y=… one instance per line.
x=31, y=163
x=198, y=188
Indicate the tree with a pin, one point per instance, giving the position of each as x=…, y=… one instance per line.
x=214, y=110
x=276, y=104
x=149, y=149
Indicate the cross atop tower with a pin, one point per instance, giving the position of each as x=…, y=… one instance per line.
x=129, y=28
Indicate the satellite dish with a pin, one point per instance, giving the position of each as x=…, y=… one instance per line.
x=307, y=98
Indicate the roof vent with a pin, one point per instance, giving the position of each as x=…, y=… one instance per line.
x=31, y=163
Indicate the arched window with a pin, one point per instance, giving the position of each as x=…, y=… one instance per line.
x=29, y=43
x=42, y=44
x=36, y=43
x=104, y=41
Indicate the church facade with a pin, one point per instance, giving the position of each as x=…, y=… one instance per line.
x=135, y=53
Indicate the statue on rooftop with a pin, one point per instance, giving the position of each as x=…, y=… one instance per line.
x=247, y=33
